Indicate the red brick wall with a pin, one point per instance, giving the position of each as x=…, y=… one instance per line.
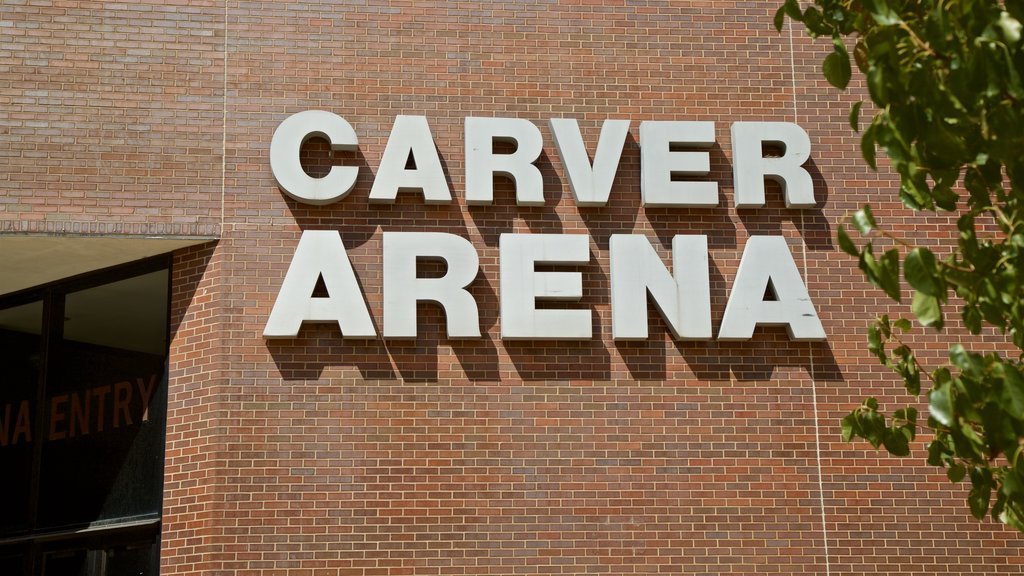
x=111, y=117
x=323, y=456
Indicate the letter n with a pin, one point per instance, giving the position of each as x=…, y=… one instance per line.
x=683, y=301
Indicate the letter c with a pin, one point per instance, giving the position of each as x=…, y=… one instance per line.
x=289, y=137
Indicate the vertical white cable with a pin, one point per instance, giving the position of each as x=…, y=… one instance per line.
x=810, y=347
x=224, y=126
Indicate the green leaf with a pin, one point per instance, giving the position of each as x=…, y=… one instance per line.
x=814, y=21
x=867, y=146
x=908, y=414
x=849, y=426
x=896, y=443
x=1012, y=483
x=972, y=319
x=999, y=506
x=1010, y=27
x=945, y=197
x=860, y=55
x=875, y=344
x=780, y=18
x=837, y=66
x=956, y=473
x=889, y=273
x=864, y=220
x=845, y=244
x=921, y=272
x=966, y=361
x=1011, y=515
x=1013, y=390
x=884, y=325
x=936, y=453
x=882, y=13
x=927, y=310
x=854, y=117
x=944, y=144
x=914, y=190
x=792, y=8
x=878, y=88
x=978, y=499
x=977, y=185
x=873, y=427
x=1012, y=519
x=940, y=403
x=907, y=368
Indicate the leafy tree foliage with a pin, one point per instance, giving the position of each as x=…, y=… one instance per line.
x=945, y=79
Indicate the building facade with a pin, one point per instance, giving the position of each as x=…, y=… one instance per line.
x=154, y=420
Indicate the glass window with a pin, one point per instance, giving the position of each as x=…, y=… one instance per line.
x=102, y=404
x=13, y=560
x=21, y=358
x=138, y=559
x=134, y=560
x=83, y=396
x=127, y=315
x=69, y=563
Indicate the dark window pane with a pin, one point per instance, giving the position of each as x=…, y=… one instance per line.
x=20, y=349
x=69, y=563
x=106, y=398
x=129, y=314
x=13, y=561
x=136, y=560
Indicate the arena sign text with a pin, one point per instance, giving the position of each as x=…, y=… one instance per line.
x=669, y=152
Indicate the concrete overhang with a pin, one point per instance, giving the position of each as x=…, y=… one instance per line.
x=28, y=260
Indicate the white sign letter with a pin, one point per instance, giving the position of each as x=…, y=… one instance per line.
x=320, y=254
x=403, y=289
x=284, y=157
x=410, y=136
x=590, y=183
x=750, y=167
x=659, y=163
x=767, y=265
x=482, y=163
x=521, y=286
x=684, y=302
